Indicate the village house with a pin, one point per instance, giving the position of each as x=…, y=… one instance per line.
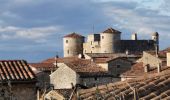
x=17, y=81
x=115, y=66
x=82, y=72
x=150, y=63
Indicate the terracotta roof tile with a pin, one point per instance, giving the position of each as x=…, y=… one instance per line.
x=137, y=70
x=83, y=65
x=60, y=60
x=154, y=87
x=15, y=70
x=74, y=35
x=43, y=66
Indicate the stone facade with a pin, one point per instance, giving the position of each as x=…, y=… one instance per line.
x=116, y=66
x=18, y=92
x=168, y=59
x=64, y=77
x=150, y=59
x=73, y=45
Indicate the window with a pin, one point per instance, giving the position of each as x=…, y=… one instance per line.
x=118, y=75
x=102, y=37
x=118, y=66
x=91, y=42
x=91, y=52
x=95, y=78
x=66, y=41
x=67, y=51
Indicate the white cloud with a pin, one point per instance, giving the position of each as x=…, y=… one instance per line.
x=38, y=34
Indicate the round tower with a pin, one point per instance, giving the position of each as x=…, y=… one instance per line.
x=110, y=39
x=73, y=44
x=155, y=38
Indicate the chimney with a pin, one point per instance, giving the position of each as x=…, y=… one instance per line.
x=56, y=57
x=134, y=36
x=146, y=68
x=156, y=50
x=159, y=68
x=168, y=58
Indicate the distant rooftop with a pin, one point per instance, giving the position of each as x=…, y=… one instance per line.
x=74, y=35
x=111, y=30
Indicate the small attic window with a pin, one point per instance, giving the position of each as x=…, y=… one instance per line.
x=66, y=41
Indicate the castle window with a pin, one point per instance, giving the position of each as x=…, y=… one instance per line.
x=66, y=41
x=95, y=78
x=67, y=51
x=91, y=52
x=102, y=37
x=91, y=43
x=118, y=66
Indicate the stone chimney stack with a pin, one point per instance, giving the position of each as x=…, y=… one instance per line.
x=159, y=68
x=168, y=58
x=134, y=36
x=146, y=68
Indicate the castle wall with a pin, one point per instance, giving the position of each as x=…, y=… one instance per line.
x=93, y=44
x=73, y=46
x=136, y=46
x=91, y=47
x=109, y=42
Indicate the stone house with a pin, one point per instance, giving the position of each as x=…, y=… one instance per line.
x=17, y=80
x=152, y=59
x=154, y=65
x=83, y=72
x=115, y=66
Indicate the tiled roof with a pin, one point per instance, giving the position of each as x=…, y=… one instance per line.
x=106, y=60
x=161, y=54
x=83, y=65
x=60, y=60
x=155, y=88
x=15, y=70
x=111, y=30
x=74, y=35
x=43, y=66
x=137, y=70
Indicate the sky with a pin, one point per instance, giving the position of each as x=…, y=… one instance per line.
x=33, y=29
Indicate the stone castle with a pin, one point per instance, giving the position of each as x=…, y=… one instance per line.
x=109, y=41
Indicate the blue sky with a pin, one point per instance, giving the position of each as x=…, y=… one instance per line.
x=33, y=29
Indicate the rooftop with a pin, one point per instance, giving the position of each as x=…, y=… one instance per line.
x=74, y=35
x=111, y=30
x=60, y=60
x=15, y=71
x=147, y=88
x=85, y=66
x=137, y=70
